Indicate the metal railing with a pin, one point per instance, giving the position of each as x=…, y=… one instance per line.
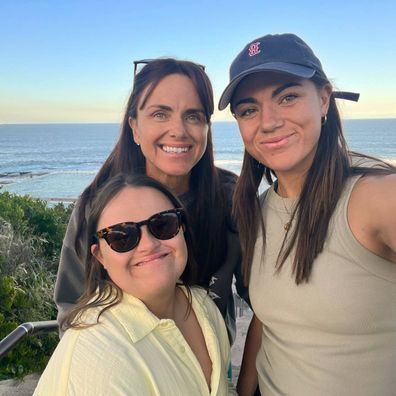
x=28, y=328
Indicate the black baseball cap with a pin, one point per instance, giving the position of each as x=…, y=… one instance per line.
x=283, y=53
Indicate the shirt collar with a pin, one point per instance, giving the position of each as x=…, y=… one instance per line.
x=144, y=321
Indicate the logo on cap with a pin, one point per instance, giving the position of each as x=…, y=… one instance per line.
x=254, y=48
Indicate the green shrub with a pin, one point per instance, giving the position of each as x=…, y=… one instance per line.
x=31, y=236
x=29, y=216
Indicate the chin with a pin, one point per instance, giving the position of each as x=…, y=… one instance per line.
x=283, y=163
x=161, y=282
x=181, y=171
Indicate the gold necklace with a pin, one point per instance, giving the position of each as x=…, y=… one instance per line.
x=289, y=223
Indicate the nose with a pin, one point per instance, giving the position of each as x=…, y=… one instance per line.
x=177, y=128
x=147, y=241
x=270, y=118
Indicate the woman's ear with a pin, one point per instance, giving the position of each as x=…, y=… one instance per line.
x=133, y=124
x=95, y=251
x=325, y=94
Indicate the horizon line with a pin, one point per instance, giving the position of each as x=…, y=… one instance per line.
x=115, y=123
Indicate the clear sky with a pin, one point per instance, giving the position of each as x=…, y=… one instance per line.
x=71, y=60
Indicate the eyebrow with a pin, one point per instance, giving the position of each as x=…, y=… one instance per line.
x=159, y=106
x=168, y=108
x=276, y=92
x=190, y=111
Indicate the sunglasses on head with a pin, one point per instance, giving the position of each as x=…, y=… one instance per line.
x=123, y=237
x=139, y=64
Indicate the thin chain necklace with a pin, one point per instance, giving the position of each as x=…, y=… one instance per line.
x=289, y=223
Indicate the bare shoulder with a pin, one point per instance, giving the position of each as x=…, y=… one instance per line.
x=377, y=191
x=372, y=214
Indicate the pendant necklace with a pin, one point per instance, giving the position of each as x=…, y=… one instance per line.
x=289, y=223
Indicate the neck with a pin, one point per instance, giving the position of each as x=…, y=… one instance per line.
x=289, y=188
x=290, y=184
x=177, y=184
x=166, y=306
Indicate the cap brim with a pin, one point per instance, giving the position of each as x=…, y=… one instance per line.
x=280, y=67
x=346, y=95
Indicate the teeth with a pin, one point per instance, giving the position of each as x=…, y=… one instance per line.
x=177, y=150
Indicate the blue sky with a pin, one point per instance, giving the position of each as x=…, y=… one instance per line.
x=71, y=61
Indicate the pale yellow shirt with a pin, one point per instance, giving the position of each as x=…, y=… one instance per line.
x=133, y=352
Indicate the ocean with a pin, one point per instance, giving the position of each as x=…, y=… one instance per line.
x=56, y=161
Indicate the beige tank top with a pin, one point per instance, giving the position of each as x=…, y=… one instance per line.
x=335, y=335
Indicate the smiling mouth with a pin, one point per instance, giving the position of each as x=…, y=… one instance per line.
x=277, y=142
x=176, y=150
x=150, y=259
x=277, y=139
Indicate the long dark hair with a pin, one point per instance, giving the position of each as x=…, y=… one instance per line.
x=100, y=290
x=322, y=188
x=208, y=214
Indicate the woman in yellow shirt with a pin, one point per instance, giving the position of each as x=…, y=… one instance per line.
x=139, y=328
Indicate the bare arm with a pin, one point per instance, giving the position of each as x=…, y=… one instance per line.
x=247, y=381
x=372, y=215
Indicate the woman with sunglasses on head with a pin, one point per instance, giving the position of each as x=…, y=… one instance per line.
x=319, y=246
x=139, y=328
x=166, y=134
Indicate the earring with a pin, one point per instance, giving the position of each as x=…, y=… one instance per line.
x=324, y=119
x=138, y=144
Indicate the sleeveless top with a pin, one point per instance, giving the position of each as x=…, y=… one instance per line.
x=336, y=334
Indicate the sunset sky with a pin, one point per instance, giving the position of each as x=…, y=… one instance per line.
x=71, y=61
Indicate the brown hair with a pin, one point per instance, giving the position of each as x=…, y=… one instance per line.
x=322, y=188
x=208, y=214
x=100, y=290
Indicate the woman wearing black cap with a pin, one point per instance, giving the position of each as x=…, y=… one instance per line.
x=320, y=244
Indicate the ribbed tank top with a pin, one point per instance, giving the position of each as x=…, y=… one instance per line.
x=335, y=335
